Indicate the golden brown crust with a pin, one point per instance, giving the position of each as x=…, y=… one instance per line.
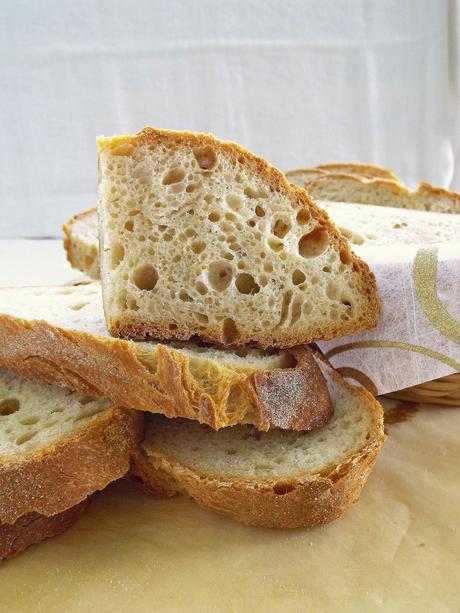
x=363, y=170
x=300, y=502
x=56, y=478
x=159, y=380
x=33, y=528
x=368, y=311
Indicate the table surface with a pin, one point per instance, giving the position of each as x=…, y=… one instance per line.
x=398, y=549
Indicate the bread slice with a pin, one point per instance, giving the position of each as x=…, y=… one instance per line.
x=81, y=242
x=57, y=447
x=382, y=192
x=303, y=176
x=34, y=528
x=201, y=238
x=367, y=225
x=59, y=334
x=277, y=479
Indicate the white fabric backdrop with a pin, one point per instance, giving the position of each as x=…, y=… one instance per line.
x=299, y=82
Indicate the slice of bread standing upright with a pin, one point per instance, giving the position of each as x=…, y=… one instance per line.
x=201, y=238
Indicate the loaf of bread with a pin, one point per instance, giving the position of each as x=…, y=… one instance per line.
x=302, y=176
x=57, y=447
x=201, y=238
x=277, y=479
x=382, y=192
x=59, y=334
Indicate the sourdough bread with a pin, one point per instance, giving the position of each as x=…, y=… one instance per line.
x=57, y=447
x=277, y=479
x=81, y=243
x=201, y=238
x=59, y=334
x=302, y=176
x=382, y=192
x=34, y=528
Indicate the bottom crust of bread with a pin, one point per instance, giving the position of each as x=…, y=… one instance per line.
x=34, y=528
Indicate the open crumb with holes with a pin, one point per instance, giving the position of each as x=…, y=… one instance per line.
x=57, y=446
x=200, y=237
x=277, y=479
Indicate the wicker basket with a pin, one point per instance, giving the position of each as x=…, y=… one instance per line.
x=445, y=390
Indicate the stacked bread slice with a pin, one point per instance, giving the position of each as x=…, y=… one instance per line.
x=191, y=364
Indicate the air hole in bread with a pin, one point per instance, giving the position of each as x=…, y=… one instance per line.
x=131, y=303
x=251, y=192
x=260, y=212
x=275, y=244
x=326, y=269
x=281, y=488
x=303, y=217
x=25, y=437
x=145, y=277
x=214, y=217
x=220, y=275
x=201, y=288
x=298, y=277
x=78, y=306
x=29, y=421
x=296, y=310
x=117, y=254
x=281, y=228
x=229, y=331
x=184, y=296
x=175, y=175
x=246, y=284
x=198, y=246
x=287, y=297
x=314, y=243
x=129, y=225
x=206, y=157
x=268, y=266
x=241, y=265
x=8, y=406
x=190, y=232
x=202, y=318
x=251, y=223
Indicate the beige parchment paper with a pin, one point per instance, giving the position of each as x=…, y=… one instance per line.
x=396, y=550
x=418, y=336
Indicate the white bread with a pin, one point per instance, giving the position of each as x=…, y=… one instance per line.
x=303, y=176
x=366, y=224
x=201, y=238
x=382, y=192
x=59, y=334
x=277, y=479
x=57, y=447
x=34, y=528
x=81, y=242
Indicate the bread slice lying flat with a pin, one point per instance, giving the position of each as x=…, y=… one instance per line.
x=59, y=334
x=366, y=224
x=382, y=192
x=201, y=238
x=277, y=479
x=34, y=528
x=57, y=447
x=302, y=176
x=81, y=242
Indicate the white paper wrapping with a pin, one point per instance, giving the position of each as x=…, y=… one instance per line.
x=418, y=336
